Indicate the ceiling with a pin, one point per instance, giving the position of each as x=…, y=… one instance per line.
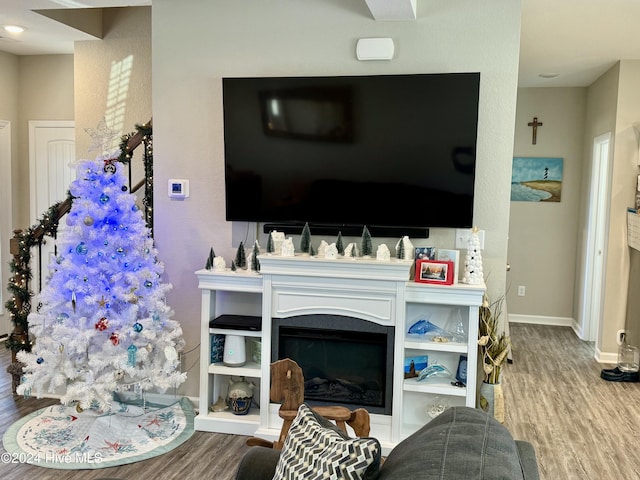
x=577, y=39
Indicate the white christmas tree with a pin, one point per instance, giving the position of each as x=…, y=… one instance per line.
x=102, y=324
x=473, y=274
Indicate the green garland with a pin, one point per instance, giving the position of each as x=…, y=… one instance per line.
x=19, y=265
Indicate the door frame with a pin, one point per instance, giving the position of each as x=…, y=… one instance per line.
x=592, y=291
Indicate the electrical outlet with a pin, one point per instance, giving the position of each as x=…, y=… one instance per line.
x=621, y=336
x=463, y=235
x=521, y=290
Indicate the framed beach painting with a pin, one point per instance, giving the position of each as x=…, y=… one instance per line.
x=536, y=179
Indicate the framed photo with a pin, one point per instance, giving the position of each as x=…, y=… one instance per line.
x=414, y=365
x=427, y=253
x=434, y=271
x=536, y=179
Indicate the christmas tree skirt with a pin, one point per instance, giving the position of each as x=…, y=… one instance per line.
x=60, y=437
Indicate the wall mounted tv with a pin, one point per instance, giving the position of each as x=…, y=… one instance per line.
x=394, y=152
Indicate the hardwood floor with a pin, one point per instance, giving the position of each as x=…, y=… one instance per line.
x=204, y=456
x=581, y=426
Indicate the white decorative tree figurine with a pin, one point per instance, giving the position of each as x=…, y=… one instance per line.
x=473, y=273
x=102, y=324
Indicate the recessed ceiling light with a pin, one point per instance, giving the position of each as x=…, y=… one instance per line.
x=14, y=28
x=548, y=75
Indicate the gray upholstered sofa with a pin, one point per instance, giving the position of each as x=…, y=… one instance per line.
x=462, y=443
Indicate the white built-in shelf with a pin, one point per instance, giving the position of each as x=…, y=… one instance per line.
x=436, y=386
x=241, y=333
x=436, y=346
x=380, y=292
x=249, y=369
x=228, y=422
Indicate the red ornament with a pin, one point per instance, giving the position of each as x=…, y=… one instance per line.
x=114, y=338
x=102, y=324
x=109, y=166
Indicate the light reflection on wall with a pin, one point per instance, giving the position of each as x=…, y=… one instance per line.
x=117, y=93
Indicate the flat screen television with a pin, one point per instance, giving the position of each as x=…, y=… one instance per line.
x=393, y=152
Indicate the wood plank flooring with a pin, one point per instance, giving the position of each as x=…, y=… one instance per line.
x=203, y=456
x=581, y=426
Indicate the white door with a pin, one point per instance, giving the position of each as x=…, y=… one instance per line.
x=52, y=149
x=591, y=290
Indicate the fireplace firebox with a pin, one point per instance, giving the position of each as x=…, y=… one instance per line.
x=345, y=360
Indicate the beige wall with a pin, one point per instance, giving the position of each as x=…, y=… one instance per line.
x=305, y=37
x=542, y=235
x=627, y=146
x=9, y=79
x=572, y=119
x=113, y=79
x=624, y=180
x=45, y=93
x=38, y=87
x=600, y=119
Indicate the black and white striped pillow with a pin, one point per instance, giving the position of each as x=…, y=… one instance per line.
x=317, y=450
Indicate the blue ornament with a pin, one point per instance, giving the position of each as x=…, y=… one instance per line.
x=104, y=198
x=40, y=360
x=137, y=327
x=132, y=351
x=135, y=208
x=148, y=283
x=82, y=249
x=156, y=317
x=62, y=317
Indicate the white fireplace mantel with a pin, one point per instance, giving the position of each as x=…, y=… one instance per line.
x=372, y=290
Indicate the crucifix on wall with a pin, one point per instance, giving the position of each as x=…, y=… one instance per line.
x=534, y=124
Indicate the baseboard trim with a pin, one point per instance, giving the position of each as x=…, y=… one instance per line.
x=606, y=357
x=542, y=320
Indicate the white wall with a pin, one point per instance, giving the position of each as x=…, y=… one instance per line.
x=196, y=43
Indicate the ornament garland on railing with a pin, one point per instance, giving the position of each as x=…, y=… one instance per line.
x=19, y=306
x=145, y=133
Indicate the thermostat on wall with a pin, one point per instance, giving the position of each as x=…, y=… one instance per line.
x=178, y=188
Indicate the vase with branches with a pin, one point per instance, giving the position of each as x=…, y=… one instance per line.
x=494, y=346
